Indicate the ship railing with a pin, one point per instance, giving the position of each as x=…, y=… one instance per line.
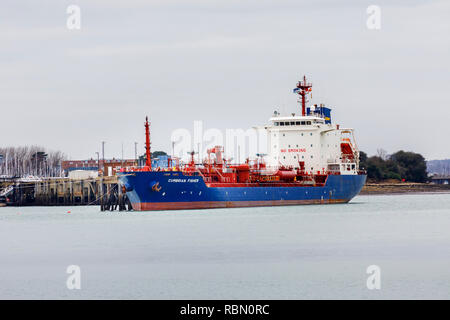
x=201, y=175
x=340, y=161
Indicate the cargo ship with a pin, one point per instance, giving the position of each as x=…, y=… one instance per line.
x=310, y=160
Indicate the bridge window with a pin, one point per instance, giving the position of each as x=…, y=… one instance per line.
x=281, y=123
x=308, y=122
x=297, y=123
x=303, y=123
x=277, y=124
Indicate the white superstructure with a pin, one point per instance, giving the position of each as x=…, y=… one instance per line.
x=310, y=141
x=307, y=139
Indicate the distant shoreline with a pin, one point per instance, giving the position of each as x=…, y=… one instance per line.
x=402, y=188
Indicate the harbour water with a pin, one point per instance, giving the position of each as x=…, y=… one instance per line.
x=299, y=252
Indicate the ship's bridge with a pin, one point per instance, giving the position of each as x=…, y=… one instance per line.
x=296, y=121
x=313, y=115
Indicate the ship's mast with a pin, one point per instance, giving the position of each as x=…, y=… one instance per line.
x=303, y=88
x=148, y=161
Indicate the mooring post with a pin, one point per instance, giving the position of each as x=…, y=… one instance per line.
x=102, y=208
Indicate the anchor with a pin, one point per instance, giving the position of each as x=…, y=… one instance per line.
x=156, y=187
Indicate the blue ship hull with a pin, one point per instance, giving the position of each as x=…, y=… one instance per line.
x=174, y=190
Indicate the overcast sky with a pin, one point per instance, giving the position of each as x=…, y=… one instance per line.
x=229, y=63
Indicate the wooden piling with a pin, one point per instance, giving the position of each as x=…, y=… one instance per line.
x=102, y=191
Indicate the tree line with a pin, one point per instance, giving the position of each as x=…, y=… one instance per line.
x=30, y=160
x=401, y=166
x=440, y=167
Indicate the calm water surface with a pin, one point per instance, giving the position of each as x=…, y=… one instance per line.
x=299, y=252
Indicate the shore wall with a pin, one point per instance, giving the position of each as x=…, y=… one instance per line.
x=396, y=188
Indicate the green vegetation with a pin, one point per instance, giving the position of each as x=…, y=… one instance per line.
x=402, y=166
x=156, y=154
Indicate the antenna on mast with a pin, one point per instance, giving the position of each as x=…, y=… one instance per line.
x=303, y=88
